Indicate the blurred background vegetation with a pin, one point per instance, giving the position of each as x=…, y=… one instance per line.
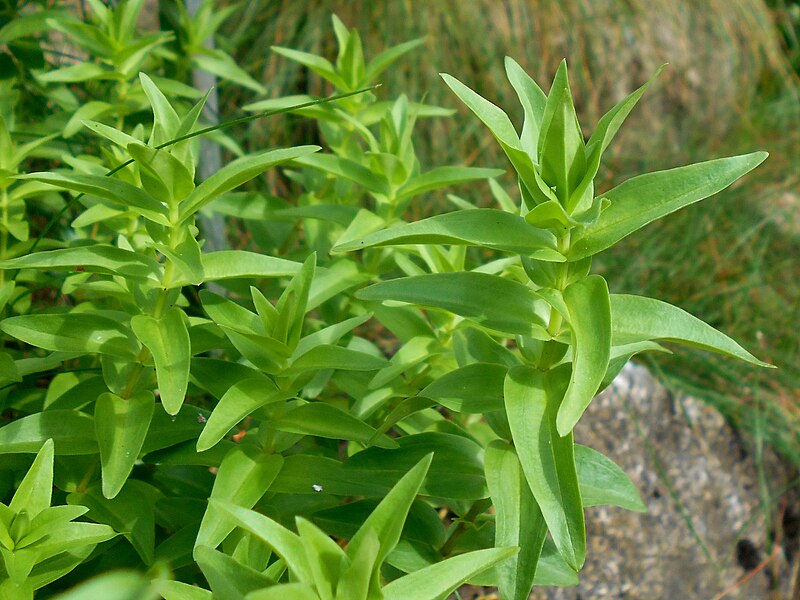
x=731, y=87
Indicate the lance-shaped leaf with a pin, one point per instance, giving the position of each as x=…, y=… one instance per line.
x=116, y=191
x=71, y=431
x=286, y=544
x=438, y=580
x=388, y=518
x=563, y=157
x=533, y=101
x=486, y=227
x=346, y=169
x=101, y=258
x=590, y=321
x=239, y=401
x=236, y=173
x=36, y=490
x=168, y=341
x=603, y=483
x=443, y=177
x=328, y=421
x=321, y=66
x=73, y=332
x=604, y=133
x=242, y=479
x=643, y=199
x=636, y=318
x=227, y=577
x=488, y=300
x=499, y=124
x=518, y=520
x=336, y=357
x=121, y=426
x=237, y=264
x=547, y=458
x=475, y=388
x=386, y=58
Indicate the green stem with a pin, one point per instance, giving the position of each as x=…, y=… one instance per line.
x=477, y=509
x=4, y=232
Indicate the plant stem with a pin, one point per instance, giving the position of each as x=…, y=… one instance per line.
x=477, y=509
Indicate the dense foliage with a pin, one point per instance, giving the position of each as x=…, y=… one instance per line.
x=365, y=407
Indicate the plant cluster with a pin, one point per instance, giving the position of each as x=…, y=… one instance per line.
x=357, y=407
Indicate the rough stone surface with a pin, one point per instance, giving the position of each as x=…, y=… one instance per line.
x=701, y=489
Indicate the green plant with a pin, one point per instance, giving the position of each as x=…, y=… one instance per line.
x=425, y=419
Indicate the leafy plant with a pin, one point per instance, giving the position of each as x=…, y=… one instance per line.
x=265, y=426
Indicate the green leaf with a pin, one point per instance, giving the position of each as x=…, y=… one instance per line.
x=475, y=388
x=117, y=585
x=223, y=66
x=488, y=300
x=241, y=264
x=101, y=258
x=165, y=119
x=71, y=431
x=346, y=169
x=243, y=398
x=163, y=176
x=130, y=513
x=236, y=173
x=438, y=580
x=547, y=459
x=499, y=124
x=483, y=227
x=177, y=590
x=117, y=192
x=388, y=57
x=291, y=306
x=327, y=421
x=227, y=577
x=318, y=64
x=443, y=177
x=518, y=520
x=533, y=101
x=604, y=133
x=643, y=199
x=636, y=318
x=325, y=557
x=242, y=479
x=121, y=427
x=36, y=489
x=168, y=340
x=590, y=320
x=335, y=357
x=285, y=591
x=286, y=544
x=563, y=157
x=602, y=482
x=389, y=516
x=456, y=471
x=73, y=332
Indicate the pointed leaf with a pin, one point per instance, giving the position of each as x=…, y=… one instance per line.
x=236, y=173
x=35, y=492
x=242, y=479
x=121, y=426
x=73, y=332
x=518, y=520
x=533, y=101
x=227, y=577
x=546, y=458
x=636, y=318
x=239, y=401
x=590, y=319
x=325, y=420
x=241, y=264
x=100, y=258
x=643, y=199
x=488, y=300
x=168, y=340
x=603, y=483
x=438, y=580
x=484, y=227
x=71, y=431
